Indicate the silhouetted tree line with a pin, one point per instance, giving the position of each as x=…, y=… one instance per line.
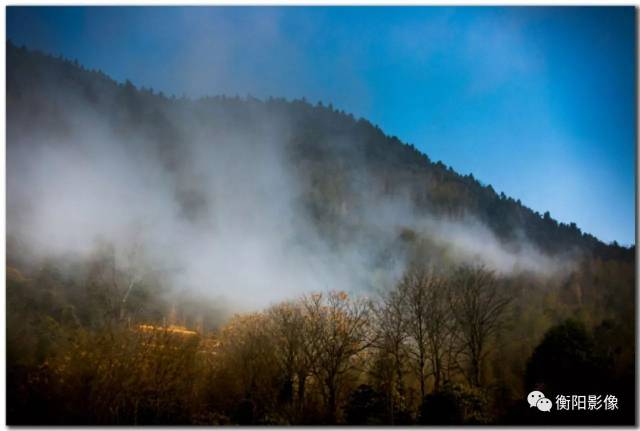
x=442, y=346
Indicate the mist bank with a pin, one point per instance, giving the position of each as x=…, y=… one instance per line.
x=243, y=201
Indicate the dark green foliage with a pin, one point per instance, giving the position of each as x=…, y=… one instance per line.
x=572, y=360
x=455, y=404
x=245, y=412
x=365, y=407
x=564, y=359
x=441, y=408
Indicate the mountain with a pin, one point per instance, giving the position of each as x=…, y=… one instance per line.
x=137, y=223
x=331, y=150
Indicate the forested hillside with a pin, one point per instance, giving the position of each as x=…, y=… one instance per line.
x=232, y=260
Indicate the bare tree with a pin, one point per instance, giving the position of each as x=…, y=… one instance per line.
x=391, y=329
x=287, y=325
x=428, y=322
x=338, y=331
x=439, y=327
x=413, y=289
x=478, y=307
x=134, y=271
x=246, y=348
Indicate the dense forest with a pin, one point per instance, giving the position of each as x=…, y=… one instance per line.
x=230, y=260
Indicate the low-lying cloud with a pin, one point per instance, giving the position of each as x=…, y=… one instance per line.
x=220, y=210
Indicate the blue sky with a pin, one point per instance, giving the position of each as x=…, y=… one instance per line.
x=539, y=102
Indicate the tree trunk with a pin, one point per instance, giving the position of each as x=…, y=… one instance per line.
x=421, y=364
x=475, y=370
x=331, y=402
x=436, y=373
x=302, y=380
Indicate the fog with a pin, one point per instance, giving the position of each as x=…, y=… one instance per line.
x=219, y=211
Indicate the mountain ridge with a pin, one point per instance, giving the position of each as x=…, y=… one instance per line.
x=447, y=192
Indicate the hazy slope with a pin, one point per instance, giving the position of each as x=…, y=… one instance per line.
x=252, y=200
